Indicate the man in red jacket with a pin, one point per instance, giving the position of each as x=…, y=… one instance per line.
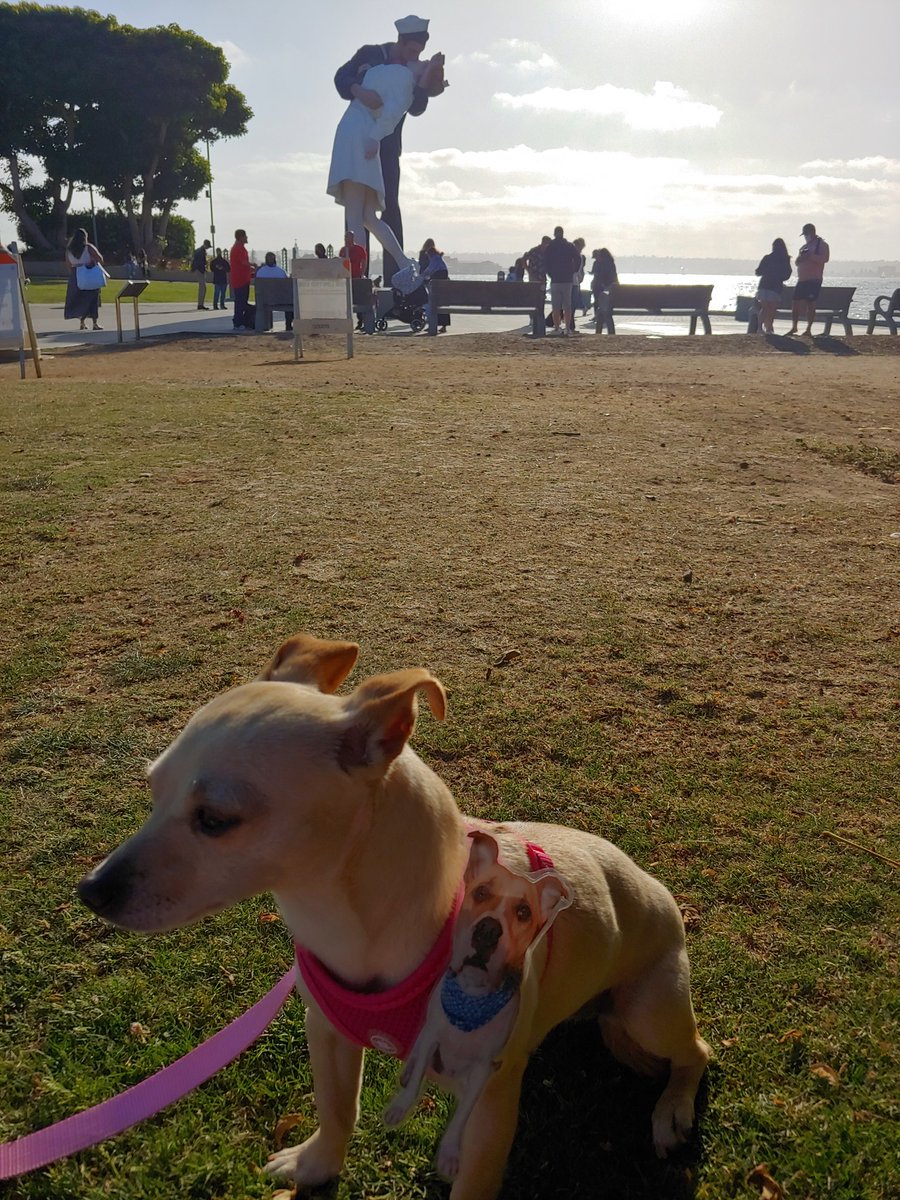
x=241, y=277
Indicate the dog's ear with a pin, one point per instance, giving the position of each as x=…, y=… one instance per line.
x=483, y=853
x=383, y=715
x=555, y=894
x=307, y=659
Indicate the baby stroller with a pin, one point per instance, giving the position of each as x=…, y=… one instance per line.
x=408, y=309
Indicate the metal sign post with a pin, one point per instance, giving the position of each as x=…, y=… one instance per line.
x=323, y=302
x=130, y=290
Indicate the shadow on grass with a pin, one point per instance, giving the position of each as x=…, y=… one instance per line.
x=584, y=1129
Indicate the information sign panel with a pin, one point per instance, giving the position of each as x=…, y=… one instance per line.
x=322, y=300
x=12, y=334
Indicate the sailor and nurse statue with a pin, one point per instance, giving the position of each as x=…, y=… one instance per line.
x=382, y=83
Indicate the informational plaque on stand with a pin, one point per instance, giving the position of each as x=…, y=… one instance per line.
x=15, y=315
x=323, y=303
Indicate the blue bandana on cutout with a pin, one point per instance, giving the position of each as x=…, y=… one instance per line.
x=469, y=1013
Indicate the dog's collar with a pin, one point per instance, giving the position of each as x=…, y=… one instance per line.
x=388, y=1020
x=468, y=1013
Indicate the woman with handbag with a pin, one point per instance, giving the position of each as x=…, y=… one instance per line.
x=86, y=278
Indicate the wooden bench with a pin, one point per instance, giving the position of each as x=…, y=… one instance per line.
x=832, y=304
x=277, y=295
x=888, y=309
x=505, y=299
x=661, y=299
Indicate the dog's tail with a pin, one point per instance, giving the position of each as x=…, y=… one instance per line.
x=623, y=1047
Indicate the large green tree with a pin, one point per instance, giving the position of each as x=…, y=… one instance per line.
x=87, y=101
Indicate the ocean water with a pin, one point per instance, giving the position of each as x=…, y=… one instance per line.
x=726, y=288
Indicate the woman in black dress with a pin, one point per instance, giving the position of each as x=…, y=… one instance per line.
x=82, y=303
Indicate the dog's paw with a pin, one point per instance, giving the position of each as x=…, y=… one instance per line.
x=398, y=1110
x=306, y=1165
x=447, y=1161
x=673, y=1120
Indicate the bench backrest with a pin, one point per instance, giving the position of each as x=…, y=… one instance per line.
x=481, y=293
x=834, y=299
x=888, y=305
x=660, y=296
x=273, y=291
x=281, y=291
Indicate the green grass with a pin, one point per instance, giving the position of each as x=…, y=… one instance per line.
x=158, y=541
x=159, y=291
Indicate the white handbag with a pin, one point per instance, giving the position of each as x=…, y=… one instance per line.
x=90, y=279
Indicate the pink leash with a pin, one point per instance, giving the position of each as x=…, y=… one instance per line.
x=148, y=1097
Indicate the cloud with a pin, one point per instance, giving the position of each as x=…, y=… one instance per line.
x=234, y=54
x=638, y=204
x=666, y=108
x=510, y=54
x=875, y=165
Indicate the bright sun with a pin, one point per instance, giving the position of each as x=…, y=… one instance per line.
x=661, y=12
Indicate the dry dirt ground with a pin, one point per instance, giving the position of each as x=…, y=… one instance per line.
x=694, y=479
x=735, y=505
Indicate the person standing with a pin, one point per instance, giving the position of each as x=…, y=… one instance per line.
x=577, y=280
x=198, y=266
x=83, y=303
x=356, y=255
x=319, y=250
x=241, y=277
x=561, y=261
x=412, y=37
x=534, y=261
x=810, y=264
x=433, y=266
x=603, y=276
x=219, y=267
x=773, y=270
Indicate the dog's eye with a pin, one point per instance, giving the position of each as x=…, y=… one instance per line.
x=481, y=893
x=523, y=912
x=212, y=824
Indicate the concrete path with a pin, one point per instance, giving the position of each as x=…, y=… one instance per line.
x=159, y=320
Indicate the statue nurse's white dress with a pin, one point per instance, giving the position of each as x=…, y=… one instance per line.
x=355, y=179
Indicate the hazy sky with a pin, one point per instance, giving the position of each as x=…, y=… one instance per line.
x=676, y=127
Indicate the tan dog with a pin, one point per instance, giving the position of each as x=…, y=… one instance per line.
x=280, y=785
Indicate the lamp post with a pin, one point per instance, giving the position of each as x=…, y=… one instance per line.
x=93, y=217
x=212, y=219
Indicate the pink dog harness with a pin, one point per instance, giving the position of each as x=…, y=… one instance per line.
x=390, y=1020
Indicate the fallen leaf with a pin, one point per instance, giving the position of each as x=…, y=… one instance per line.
x=823, y=1071
x=690, y=916
x=768, y=1188
x=508, y=656
x=284, y=1126
x=137, y=1030
x=791, y=1035
x=729, y=1042
x=268, y=917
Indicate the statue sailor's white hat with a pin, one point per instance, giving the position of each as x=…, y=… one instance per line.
x=410, y=25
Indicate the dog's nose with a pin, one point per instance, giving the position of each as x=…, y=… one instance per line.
x=487, y=933
x=107, y=888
